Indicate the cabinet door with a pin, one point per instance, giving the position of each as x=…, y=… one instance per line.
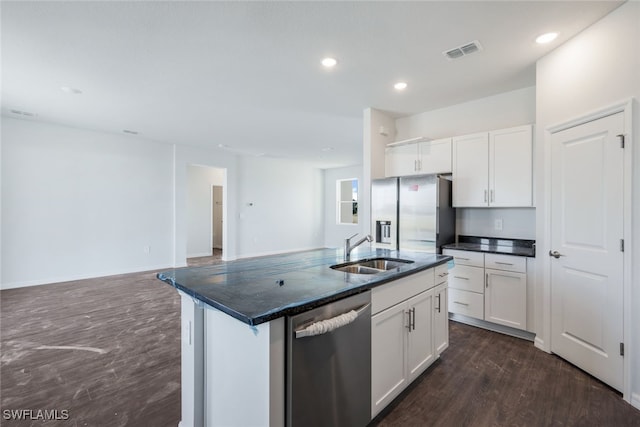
x=420, y=350
x=441, y=319
x=511, y=163
x=435, y=156
x=388, y=344
x=401, y=160
x=505, y=298
x=471, y=170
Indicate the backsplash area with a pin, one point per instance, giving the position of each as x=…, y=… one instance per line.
x=514, y=223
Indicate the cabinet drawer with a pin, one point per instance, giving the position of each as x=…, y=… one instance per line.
x=466, y=257
x=392, y=293
x=467, y=303
x=442, y=273
x=506, y=262
x=467, y=278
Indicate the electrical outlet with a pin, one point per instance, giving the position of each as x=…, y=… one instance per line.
x=498, y=224
x=147, y=249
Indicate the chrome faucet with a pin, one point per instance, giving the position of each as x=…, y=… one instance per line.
x=348, y=247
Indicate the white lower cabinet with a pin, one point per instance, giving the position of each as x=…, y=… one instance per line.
x=420, y=348
x=440, y=319
x=505, y=298
x=491, y=287
x=407, y=333
x=388, y=355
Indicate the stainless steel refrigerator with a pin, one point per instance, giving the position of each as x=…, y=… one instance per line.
x=412, y=213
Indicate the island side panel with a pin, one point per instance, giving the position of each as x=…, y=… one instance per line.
x=192, y=364
x=244, y=372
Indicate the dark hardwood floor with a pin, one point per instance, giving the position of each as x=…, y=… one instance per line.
x=108, y=351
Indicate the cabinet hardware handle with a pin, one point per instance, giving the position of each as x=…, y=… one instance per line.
x=413, y=318
x=492, y=196
x=443, y=274
x=438, y=308
x=487, y=280
x=485, y=196
x=503, y=263
x=463, y=259
x=461, y=303
x=460, y=277
x=408, y=325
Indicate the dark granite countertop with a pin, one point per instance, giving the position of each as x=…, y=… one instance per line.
x=250, y=290
x=517, y=247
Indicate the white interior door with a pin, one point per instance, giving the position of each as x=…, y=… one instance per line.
x=587, y=261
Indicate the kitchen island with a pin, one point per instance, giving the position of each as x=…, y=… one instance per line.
x=234, y=329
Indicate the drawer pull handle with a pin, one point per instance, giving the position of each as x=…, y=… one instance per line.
x=461, y=303
x=460, y=277
x=464, y=259
x=503, y=263
x=443, y=274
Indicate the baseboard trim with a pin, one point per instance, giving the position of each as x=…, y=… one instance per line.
x=635, y=400
x=50, y=281
x=200, y=254
x=260, y=254
x=492, y=326
x=540, y=345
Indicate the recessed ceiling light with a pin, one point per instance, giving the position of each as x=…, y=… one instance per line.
x=400, y=86
x=546, y=38
x=71, y=90
x=328, y=149
x=329, y=62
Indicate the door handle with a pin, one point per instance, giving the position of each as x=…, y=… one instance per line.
x=555, y=254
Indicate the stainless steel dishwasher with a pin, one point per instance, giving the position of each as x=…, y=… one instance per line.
x=329, y=364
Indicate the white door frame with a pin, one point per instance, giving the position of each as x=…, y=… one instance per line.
x=624, y=106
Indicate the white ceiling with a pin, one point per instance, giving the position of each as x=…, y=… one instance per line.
x=248, y=74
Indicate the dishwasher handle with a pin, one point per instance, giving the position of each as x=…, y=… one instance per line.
x=324, y=326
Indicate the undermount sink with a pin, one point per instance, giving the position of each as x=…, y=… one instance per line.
x=371, y=266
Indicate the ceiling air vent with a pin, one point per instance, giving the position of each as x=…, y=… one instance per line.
x=460, y=51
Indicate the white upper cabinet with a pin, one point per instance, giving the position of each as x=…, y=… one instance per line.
x=493, y=169
x=426, y=157
x=511, y=167
x=471, y=170
x=402, y=160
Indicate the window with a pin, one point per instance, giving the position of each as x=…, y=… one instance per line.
x=347, y=191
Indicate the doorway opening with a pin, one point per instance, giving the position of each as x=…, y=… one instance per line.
x=205, y=214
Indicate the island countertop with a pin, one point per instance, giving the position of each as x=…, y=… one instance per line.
x=257, y=290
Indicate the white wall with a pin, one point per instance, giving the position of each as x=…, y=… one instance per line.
x=280, y=206
x=374, y=143
x=334, y=233
x=184, y=156
x=597, y=68
x=79, y=204
x=505, y=110
x=200, y=179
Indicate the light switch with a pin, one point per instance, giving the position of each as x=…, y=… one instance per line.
x=498, y=224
